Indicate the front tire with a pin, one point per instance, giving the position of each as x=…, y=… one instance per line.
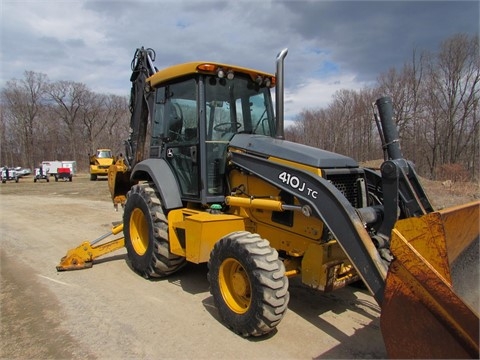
x=146, y=234
x=248, y=283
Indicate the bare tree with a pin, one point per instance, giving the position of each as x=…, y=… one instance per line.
x=405, y=88
x=118, y=117
x=311, y=128
x=346, y=126
x=5, y=139
x=54, y=121
x=93, y=116
x=70, y=98
x=23, y=101
x=105, y=119
x=452, y=97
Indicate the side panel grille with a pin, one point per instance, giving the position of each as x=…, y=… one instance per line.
x=349, y=184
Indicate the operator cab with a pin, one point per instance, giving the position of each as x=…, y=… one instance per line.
x=198, y=109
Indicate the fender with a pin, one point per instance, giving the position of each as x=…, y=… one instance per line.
x=158, y=171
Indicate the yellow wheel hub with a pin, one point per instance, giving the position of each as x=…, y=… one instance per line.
x=235, y=286
x=139, y=231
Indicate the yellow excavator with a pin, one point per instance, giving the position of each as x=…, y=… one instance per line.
x=209, y=178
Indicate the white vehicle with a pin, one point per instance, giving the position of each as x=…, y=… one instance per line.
x=51, y=167
x=23, y=171
x=8, y=174
x=40, y=175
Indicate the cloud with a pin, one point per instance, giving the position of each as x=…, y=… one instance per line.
x=315, y=93
x=332, y=44
x=369, y=37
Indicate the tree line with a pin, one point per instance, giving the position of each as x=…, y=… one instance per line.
x=62, y=120
x=435, y=97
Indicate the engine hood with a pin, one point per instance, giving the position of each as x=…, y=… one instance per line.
x=267, y=146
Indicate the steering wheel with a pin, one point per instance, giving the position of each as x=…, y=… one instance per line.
x=227, y=126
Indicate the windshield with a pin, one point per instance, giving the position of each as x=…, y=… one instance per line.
x=237, y=106
x=104, y=154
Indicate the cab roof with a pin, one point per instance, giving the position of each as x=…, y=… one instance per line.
x=200, y=67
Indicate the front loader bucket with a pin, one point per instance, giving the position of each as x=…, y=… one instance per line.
x=431, y=303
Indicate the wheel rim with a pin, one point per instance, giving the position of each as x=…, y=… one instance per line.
x=235, y=286
x=139, y=231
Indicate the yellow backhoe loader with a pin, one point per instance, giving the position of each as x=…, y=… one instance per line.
x=220, y=185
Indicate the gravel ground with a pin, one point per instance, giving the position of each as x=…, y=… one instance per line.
x=109, y=312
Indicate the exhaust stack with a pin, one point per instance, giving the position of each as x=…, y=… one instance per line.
x=279, y=91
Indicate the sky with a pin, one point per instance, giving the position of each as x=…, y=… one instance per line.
x=332, y=45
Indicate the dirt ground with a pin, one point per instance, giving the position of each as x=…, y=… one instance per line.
x=109, y=312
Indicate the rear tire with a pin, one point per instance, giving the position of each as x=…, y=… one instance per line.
x=146, y=234
x=248, y=283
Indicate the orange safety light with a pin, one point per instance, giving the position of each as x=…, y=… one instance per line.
x=207, y=67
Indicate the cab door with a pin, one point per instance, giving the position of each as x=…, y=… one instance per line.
x=175, y=134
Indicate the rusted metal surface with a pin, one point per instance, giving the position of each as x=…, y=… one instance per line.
x=461, y=224
x=422, y=315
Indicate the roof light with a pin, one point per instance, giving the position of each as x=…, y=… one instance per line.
x=220, y=73
x=259, y=80
x=230, y=75
x=207, y=67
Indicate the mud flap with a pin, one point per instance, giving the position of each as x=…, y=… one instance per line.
x=431, y=301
